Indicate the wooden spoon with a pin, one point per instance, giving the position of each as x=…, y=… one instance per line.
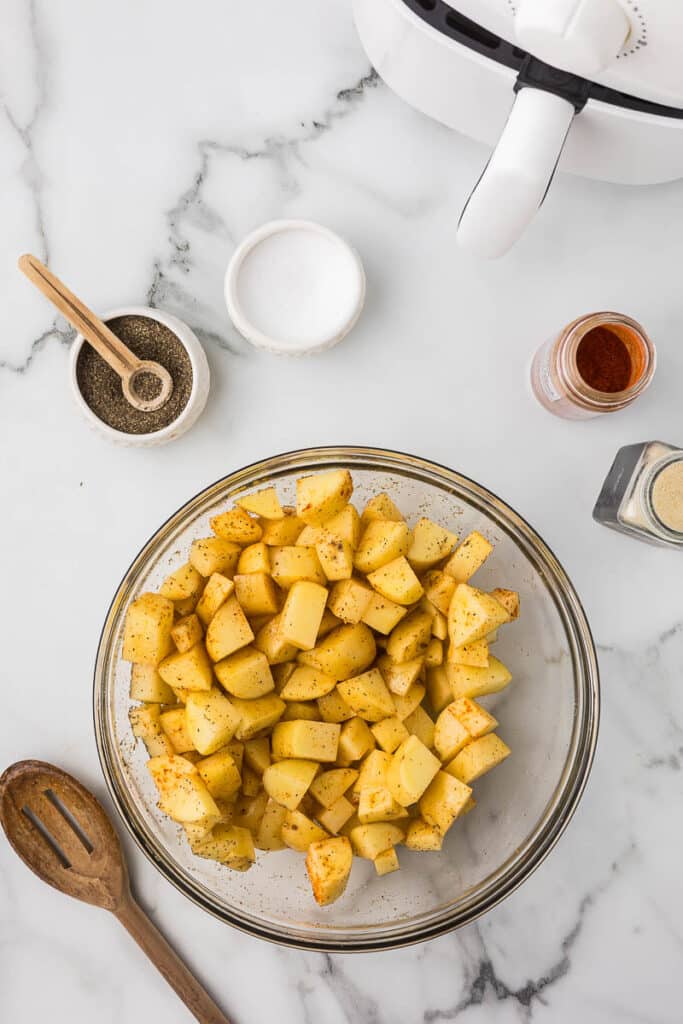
x=122, y=361
x=64, y=835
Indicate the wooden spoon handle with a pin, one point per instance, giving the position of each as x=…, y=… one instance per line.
x=104, y=341
x=176, y=973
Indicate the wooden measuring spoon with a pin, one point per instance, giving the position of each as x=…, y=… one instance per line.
x=63, y=834
x=124, y=362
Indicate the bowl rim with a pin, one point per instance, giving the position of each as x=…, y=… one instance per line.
x=560, y=809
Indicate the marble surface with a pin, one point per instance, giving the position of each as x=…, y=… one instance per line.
x=138, y=143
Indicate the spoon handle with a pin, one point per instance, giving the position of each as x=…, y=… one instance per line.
x=167, y=961
x=104, y=341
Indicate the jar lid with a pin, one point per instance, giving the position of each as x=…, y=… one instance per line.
x=294, y=286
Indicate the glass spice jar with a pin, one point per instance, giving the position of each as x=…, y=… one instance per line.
x=643, y=493
x=599, y=363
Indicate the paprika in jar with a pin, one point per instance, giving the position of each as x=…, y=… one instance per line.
x=599, y=363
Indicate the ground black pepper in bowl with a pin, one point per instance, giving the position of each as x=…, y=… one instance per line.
x=101, y=386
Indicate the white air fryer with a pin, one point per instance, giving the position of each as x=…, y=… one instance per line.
x=592, y=86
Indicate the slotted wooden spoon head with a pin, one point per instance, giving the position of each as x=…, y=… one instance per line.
x=62, y=833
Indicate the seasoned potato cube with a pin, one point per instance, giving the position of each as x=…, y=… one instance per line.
x=302, y=614
x=315, y=741
x=412, y=768
x=260, y=713
x=368, y=695
x=420, y=724
x=320, y=497
x=216, y=592
x=434, y=653
x=346, y=524
x=334, y=818
x=327, y=624
x=254, y=558
x=467, y=681
x=263, y=503
x=230, y=845
x=308, y=538
x=282, y=532
x=473, y=614
x=450, y=735
x=400, y=678
x=328, y=863
x=478, y=757
x=237, y=526
x=386, y=862
x=349, y=599
x=214, y=554
x=380, y=507
x=421, y=836
x=329, y=786
x=245, y=674
x=430, y=543
x=443, y=801
x=406, y=703
x=282, y=673
x=184, y=797
x=373, y=772
x=248, y=811
x=397, y=582
x=195, y=833
x=287, y=781
x=370, y=840
x=269, y=834
x=304, y=710
x=439, y=589
x=377, y=804
x=174, y=724
x=355, y=740
x=439, y=688
x=147, y=685
x=389, y=733
x=257, y=754
x=184, y=583
x=298, y=831
x=227, y=631
x=236, y=750
x=189, y=670
x=220, y=774
x=333, y=708
x=293, y=563
x=509, y=600
x=307, y=683
x=256, y=593
x=411, y=637
x=476, y=719
x=475, y=654
x=270, y=641
x=335, y=555
x=439, y=625
x=146, y=725
x=251, y=782
x=346, y=651
x=187, y=632
x=382, y=614
x=147, y=630
x=468, y=557
x=382, y=541
x=211, y=720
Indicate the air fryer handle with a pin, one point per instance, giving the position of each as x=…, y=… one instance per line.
x=516, y=178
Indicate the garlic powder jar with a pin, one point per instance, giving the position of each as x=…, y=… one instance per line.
x=643, y=493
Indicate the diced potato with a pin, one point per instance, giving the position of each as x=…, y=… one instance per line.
x=377, y=804
x=443, y=801
x=355, y=740
x=230, y=845
x=309, y=536
x=370, y=840
x=380, y=507
x=282, y=532
x=307, y=683
x=450, y=735
x=256, y=593
x=174, y=724
x=389, y=733
x=439, y=688
x=315, y=741
x=260, y=713
x=228, y=631
x=248, y=811
x=189, y=670
x=304, y=710
x=373, y=772
x=509, y=600
x=211, y=720
x=346, y=651
x=147, y=685
x=282, y=673
x=397, y=582
x=245, y=674
x=434, y=653
x=411, y=637
x=185, y=582
x=475, y=654
x=420, y=724
x=298, y=831
x=423, y=837
x=368, y=695
x=220, y=774
x=478, y=682
x=439, y=625
x=147, y=630
x=270, y=641
x=334, y=818
x=287, y=781
x=291, y=563
x=412, y=768
x=251, y=782
x=320, y=497
x=328, y=863
x=335, y=555
x=473, y=614
x=187, y=632
x=236, y=750
x=478, y=757
x=406, y=703
x=333, y=708
x=195, y=833
x=346, y=524
x=269, y=835
x=302, y=614
x=146, y=725
x=328, y=622
x=382, y=615
x=214, y=554
x=349, y=599
x=184, y=797
x=236, y=525
x=400, y=678
x=186, y=606
x=216, y=592
x=381, y=542
x=439, y=589
x=476, y=719
x=254, y=558
x=468, y=557
x=329, y=786
x=263, y=503
x=430, y=543
x=386, y=862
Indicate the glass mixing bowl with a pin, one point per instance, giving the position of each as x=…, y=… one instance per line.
x=548, y=716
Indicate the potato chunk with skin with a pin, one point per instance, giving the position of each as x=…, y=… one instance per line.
x=236, y=525
x=377, y=804
x=216, y=592
x=397, y=582
x=315, y=741
x=368, y=695
x=187, y=632
x=467, y=681
x=254, y=558
x=231, y=845
x=329, y=863
x=381, y=542
x=400, y=678
x=329, y=786
x=302, y=614
x=370, y=840
x=322, y=496
x=304, y=710
x=214, y=554
x=333, y=707
x=411, y=637
x=443, y=801
x=382, y=615
x=468, y=557
x=147, y=630
x=346, y=651
x=478, y=757
x=256, y=593
x=291, y=563
x=335, y=555
x=147, y=685
x=475, y=654
x=228, y=631
x=476, y=719
x=287, y=781
x=412, y=768
x=509, y=600
x=423, y=837
x=334, y=817
x=346, y=524
x=189, y=670
x=263, y=503
x=349, y=599
x=355, y=740
x=430, y=543
x=258, y=714
x=450, y=735
x=245, y=674
x=380, y=507
x=270, y=641
x=389, y=733
x=220, y=774
x=269, y=834
x=184, y=797
x=473, y=614
x=184, y=583
x=174, y=724
x=298, y=831
x=306, y=683
x=386, y=862
x=211, y=720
